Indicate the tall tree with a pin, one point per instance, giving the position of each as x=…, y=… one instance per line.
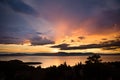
x=93, y=59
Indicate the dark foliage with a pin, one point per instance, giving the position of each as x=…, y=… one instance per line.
x=17, y=70
x=93, y=59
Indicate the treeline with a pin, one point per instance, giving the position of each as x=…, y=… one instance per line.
x=94, y=69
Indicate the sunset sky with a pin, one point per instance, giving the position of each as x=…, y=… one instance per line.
x=50, y=26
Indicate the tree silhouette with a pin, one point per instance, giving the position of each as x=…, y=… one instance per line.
x=18, y=70
x=93, y=59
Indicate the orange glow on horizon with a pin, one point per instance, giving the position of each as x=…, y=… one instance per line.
x=65, y=34
x=13, y=48
x=26, y=42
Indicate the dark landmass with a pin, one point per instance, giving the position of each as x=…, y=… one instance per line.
x=53, y=54
x=20, y=62
x=94, y=69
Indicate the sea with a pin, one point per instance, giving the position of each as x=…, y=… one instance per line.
x=48, y=61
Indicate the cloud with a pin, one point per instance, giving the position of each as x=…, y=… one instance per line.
x=109, y=19
x=40, y=41
x=110, y=48
x=81, y=37
x=14, y=28
x=62, y=18
x=19, y=39
x=118, y=36
x=61, y=46
x=79, y=16
x=111, y=44
x=104, y=38
x=72, y=41
x=10, y=40
x=19, y=6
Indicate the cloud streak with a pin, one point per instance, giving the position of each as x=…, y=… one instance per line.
x=107, y=45
x=19, y=6
x=40, y=41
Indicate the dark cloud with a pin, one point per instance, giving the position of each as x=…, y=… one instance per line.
x=61, y=46
x=75, y=11
x=10, y=40
x=110, y=48
x=19, y=6
x=34, y=40
x=105, y=22
x=40, y=41
x=104, y=38
x=97, y=16
x=111, y=44
x=14, y=29
x=81, y=37
x=118, y=37
x=72, y=41
x=39, y=33
x=109, y=19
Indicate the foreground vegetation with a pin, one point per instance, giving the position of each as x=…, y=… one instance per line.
x=94, y=69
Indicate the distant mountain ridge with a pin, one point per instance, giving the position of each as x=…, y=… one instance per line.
x=53, y=54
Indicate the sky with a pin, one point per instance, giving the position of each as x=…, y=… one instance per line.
x=51, y=26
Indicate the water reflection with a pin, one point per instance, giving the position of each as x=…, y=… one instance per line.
x=57, y=60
